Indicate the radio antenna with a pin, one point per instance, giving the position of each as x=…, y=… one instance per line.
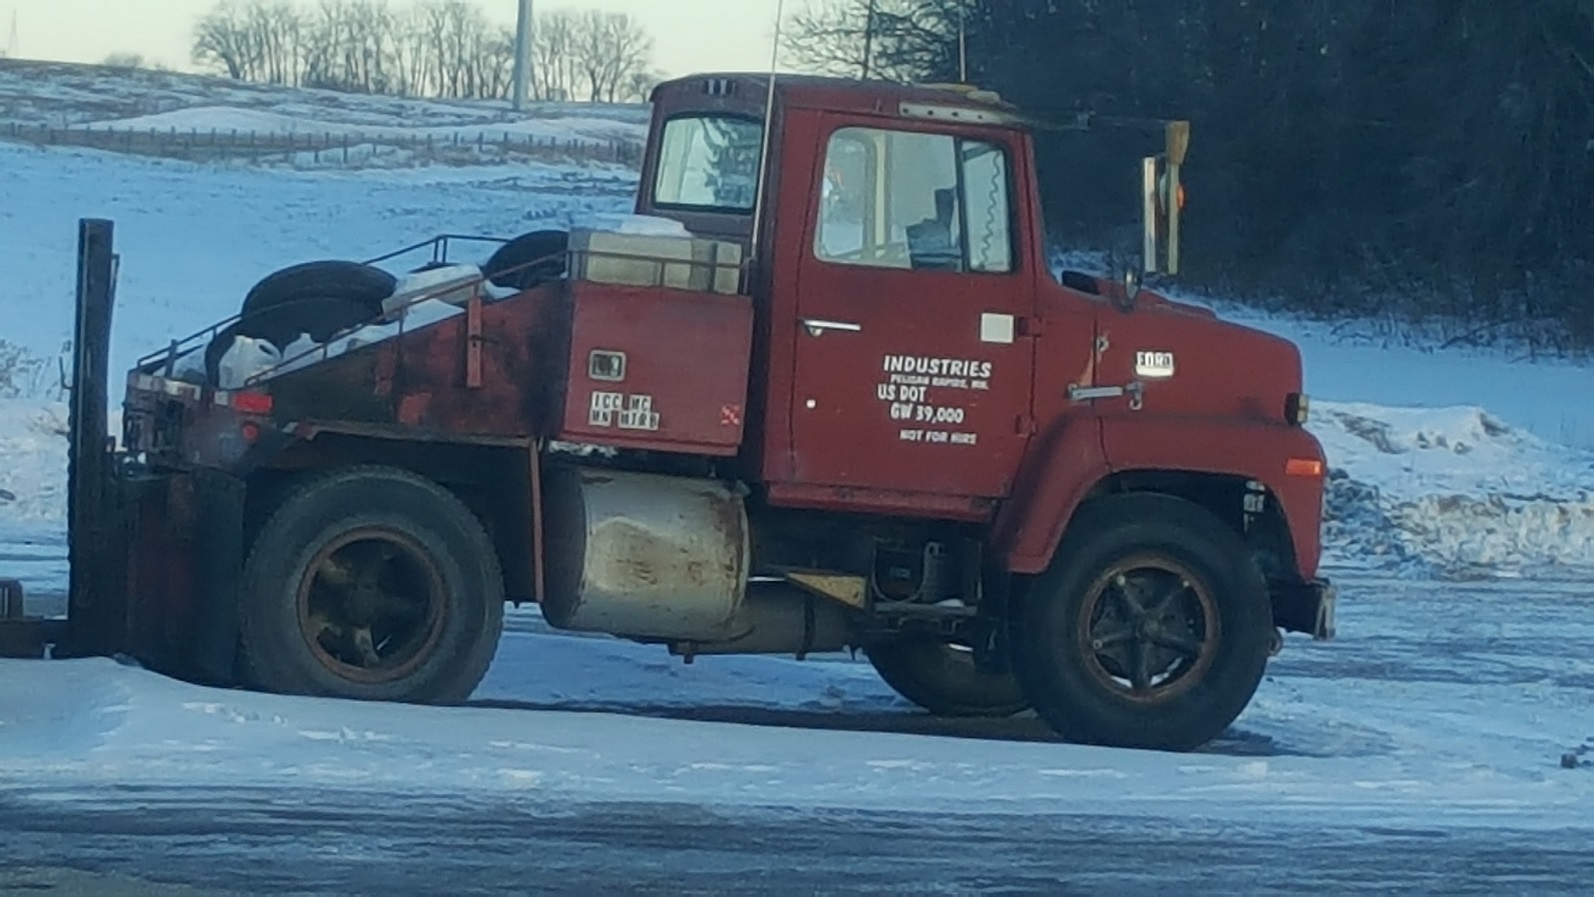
x=769, y=130
x=868, y=38
x=963, y=42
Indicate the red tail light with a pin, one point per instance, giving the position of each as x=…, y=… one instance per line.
x=250, y=402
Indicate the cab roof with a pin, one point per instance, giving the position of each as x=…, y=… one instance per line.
x=839, y=94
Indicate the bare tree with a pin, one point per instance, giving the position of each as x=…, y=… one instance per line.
x=277, y=32
x=221, y=39
x=445, y=48
x=124, y=61
x=609, y=50
x=555, y=72
x=899, y=40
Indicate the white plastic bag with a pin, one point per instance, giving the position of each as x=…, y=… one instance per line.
x=247, y=358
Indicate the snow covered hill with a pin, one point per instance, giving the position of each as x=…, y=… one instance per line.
x=66, y=95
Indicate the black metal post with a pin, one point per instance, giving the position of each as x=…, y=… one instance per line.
x=89, y=462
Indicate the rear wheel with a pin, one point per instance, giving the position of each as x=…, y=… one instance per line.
x=1151, y=629
x=944, y=679
x=371, y=583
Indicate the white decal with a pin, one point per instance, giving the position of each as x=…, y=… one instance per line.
x=610, y=409
x=604, y=405
x=996, y=328
x=939, y=437
x=934, y=367
x=913, y=393
x=1154, y=365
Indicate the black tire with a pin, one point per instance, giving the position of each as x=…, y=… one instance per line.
x=528, y=261
x=300, y=632
x=321, y=299
x=347, y=281
x=944, y=680
x=1078, y=638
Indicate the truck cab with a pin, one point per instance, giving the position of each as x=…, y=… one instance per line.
x=847, y=404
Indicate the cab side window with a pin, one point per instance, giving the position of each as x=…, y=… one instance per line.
x=895, y=199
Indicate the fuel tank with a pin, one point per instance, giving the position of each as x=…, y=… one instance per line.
x=666, y=559
x=644, y=556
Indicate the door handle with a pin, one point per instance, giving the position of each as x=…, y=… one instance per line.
x=817, y=326
x=1136, y=392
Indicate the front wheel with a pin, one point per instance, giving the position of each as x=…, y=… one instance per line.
x=1151, y=629
x=371, y=583
x=944, y=679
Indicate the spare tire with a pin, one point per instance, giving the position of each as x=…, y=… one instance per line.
x=319, y=298
x=529, y=260
x=348, y=281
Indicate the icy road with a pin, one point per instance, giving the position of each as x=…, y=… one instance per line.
x=1422, y=750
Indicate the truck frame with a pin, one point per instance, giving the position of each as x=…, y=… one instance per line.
x=850, y=407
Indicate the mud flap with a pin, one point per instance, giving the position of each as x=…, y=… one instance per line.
x=218, y=574
x=1305, y=607
x=180, y=566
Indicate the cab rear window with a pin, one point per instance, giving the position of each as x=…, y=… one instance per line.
x=709, y=163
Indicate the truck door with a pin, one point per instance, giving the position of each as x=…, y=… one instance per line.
x=912, y=368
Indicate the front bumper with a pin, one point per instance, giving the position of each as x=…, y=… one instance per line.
x=1306, y=607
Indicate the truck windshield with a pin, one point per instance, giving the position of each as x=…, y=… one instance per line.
x=709, y=162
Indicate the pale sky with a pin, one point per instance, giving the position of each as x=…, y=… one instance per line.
x=690, y=35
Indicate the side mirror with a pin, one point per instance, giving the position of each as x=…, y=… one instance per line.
x=1162, y=202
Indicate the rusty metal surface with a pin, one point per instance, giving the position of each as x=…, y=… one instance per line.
x=644, y=556
x=683, y=386
x=929, y=505
x=416, y=386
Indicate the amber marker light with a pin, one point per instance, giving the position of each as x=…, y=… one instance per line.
x=1303, y=467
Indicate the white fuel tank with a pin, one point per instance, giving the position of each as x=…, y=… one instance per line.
x=644, y=556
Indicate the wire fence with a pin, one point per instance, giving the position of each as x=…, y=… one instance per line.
x=329, y=148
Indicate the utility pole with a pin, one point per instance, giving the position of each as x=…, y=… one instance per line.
x=868, y=38
x=523, y=37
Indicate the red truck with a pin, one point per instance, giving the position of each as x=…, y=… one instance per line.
x=849, y=406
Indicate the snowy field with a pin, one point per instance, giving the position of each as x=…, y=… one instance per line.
x=73, y=96
x=1461, y=526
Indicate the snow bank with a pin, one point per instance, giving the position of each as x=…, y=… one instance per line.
x=1453, y=491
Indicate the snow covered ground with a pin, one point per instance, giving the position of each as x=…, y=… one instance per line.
x=1432, y=703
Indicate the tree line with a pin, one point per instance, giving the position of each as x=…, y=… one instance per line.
x=433, y=48
x=1421, y=159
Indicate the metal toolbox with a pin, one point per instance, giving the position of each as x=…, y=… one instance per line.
x=642, y=260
